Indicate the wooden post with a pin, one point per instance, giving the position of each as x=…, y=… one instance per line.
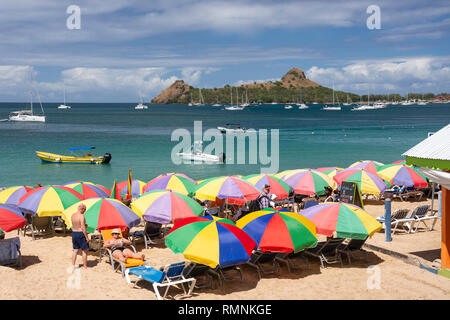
x=445, y=245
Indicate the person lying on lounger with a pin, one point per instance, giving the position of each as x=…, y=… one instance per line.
x=117, y=246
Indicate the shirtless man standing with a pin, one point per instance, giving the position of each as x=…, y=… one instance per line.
x=80, y=238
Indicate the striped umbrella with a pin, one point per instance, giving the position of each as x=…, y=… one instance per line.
x=11, y=218
x=347, y=220
x=325, y=169
x=136, y=187
x=103, y=214
x=277, y=186
x=308, y=182
x=399, y=162
x=210, y=242
x=12, y=195
x=164, y=206
x=89, y=189
x=49, y=201
x=332, y=173
x=402, y=175
x=226, y=187
x=279, y=231
x=367, y=182
x=368, y=165
x=172, y=181
x=282, y=174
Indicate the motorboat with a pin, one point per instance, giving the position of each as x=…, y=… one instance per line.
x=302, y=106
x=288, y=107
x=234, y=130
x=231, y=107
x=332, y=108
x=195, y=154
x=141, y=106
x=86, y=158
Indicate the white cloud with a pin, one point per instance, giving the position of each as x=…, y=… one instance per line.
x=419, y=73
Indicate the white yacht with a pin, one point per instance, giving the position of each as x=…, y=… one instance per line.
x=348, y=103
x=234, y=130
x=28, y=115
x=236, y=107
x=141, y=105
x=288, y=107
x=64, y=106
x=302, y=106
x=196, y=154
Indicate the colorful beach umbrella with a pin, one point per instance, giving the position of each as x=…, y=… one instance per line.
x=402, y=175
x=12, y=195
x=210, y=242
x=308, y=182
x=282, y=174
x=279, y=231
x=103, y=214
x=399, y=162
x=327, y=169
x=165, y=206
x=136, y=188
x=367, y=182
x=331, y=173
x=347, y=220
x=172, y=181
x=368, y=165
x=277, y=186
x=89, y=189
x=226, y=187
x=224, y=220
x=11, y=218
x=114, y=193
x=49, y=201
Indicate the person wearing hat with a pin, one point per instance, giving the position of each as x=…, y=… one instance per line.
x=265, y=197
x=117, y=246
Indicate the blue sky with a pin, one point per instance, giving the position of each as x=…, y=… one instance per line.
x=128, y=48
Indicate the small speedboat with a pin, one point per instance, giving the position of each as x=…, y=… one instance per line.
x=288, y=107
x=87, y=158
x=234, y=130
x=196, y=155
x=331, y=108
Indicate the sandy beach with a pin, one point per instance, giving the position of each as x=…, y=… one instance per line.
x=46, y=273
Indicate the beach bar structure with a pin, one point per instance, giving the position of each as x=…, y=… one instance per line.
x=432, y=156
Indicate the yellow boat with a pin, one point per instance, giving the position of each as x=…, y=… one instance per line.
x=84, y=159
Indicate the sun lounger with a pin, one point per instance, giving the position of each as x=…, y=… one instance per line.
x=288, y=259
x=228, y=274
x=422, y=215
x=116, y=263
x=38, y=226
x=411, y=194
x=151, y=234
x=59, y=223
x=351, y=246
x=167, y=276
x=202, y=273
x=327, y=251
x=260, y=258
x=10, y=254
x=398, y=219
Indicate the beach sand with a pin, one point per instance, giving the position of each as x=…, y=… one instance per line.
x=47, y=261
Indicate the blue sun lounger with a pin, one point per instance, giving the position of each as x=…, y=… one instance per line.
x=167, y=276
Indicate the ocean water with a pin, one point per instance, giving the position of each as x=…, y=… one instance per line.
x=141, y=139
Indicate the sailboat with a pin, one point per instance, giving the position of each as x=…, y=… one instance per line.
x=245, y=104
x=201, y=102
x=217, y=104
x=191, y=103
x=236, y=107
x=407, y=102
x=422, y=102
x=333, y=107
x=28, y=115
x=301, y=105
x=64, y=106
x=347, y=103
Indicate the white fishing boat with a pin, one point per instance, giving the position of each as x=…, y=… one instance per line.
x=231, y=128
x=141, y=105
x=288, y=107
x=302, y=106
x=28, y=115
x=64, y=106
x=195, y=154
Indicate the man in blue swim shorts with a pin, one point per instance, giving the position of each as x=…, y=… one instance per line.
x=80, y=239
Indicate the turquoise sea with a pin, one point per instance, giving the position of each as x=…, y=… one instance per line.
x=141, y=139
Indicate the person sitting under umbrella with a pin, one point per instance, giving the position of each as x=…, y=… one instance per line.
x=117, y=246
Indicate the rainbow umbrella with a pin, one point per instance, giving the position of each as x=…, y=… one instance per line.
x=114, y=193
x=399, y=162
x=136, y=187
x=347, y=220
x=172, y=181
x=11, y=218
x=325, y=169
x=49, y=201
x=331, y=173
x=224, y=220
x=402, y=175
x=89, y=189
x=368, y=165
x=164, y=206
x=103, y=213
x=282, y=174
x=277, y=186
x=367, y=182
x=226, y=187
x=279, y=231
x=12, y=195
x=308, y=182
x=210, y=242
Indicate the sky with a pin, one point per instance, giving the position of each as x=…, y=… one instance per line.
x=122, y=50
